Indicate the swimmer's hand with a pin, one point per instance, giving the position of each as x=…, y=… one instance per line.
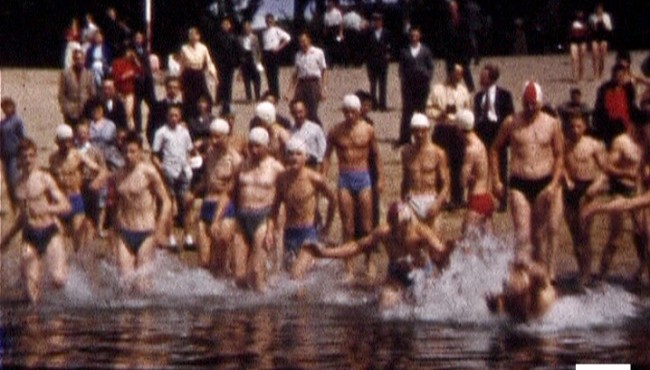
x=498, y=190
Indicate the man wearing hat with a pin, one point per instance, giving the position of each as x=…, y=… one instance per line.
x=354, y=142
x=536, y=166
x=217, y=213
x=475, y=177
x=298, y=189
x=255, y=190
x=425, y=173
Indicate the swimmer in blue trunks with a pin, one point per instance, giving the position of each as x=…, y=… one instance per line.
x=140, y=224
x=410, y=246
x=254, y=238
x=67, y=166
x=40, y=202
x=299, y=190
x=217, y=214
x=354, y=143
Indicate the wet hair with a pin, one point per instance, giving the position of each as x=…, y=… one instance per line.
x=132, y=137
x=26, y=144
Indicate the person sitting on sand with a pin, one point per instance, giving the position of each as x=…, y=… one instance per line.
x=40, y=201
x=410, y=245
x=425, y=173
x=298, y=188
x=527, y=292
x=475, y=177
x=354, y=140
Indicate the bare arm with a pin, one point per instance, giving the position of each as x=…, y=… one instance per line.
x=320, y=183
x=352, y=248
x=445, y=179
x=558, y=153
x=379, y=166
x=500, y=141
x=157, y=186
x=13, y=230
x=404, y=187
x=329, y=149
x=60, y=203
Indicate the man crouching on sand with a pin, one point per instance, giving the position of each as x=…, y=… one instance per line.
x=527, y=293
x=410, y=246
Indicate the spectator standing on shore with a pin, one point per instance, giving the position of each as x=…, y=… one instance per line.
x=415, y=73
x=353, y=24
x=251, y=61
x=275, y=39
x=158, y=114
x=333, y=33
x=76, y=86
x=99, y=57
x=308, y=79
x=144, y=86
x=195, y=61
x=12, y=131
x=578, y=39
x=227, y=52
x=601, y=30
x=378, y=50
x=458, y=46
x=73, y=42
x=125, y=71
x=114, y=108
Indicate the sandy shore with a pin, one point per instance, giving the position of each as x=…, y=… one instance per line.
x=35, y=93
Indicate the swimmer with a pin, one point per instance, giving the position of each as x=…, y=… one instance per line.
x=410, y=245
x=585, y=160
x=67, y=166
x=475, y=177
x=40, y=201
x=354, y=142
x=299, y=188
x=424, y=171
x=536, y=150
x=217, y=214
x=265, y=116
x=255, y=191
x=527, y=293
x=143, y=211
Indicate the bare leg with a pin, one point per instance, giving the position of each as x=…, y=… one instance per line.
x=257, y=262
x=365, y=215
x=616, y=228
x=574, y=50
x=521, y=216
x=145, y=257
x=126, y=261
x=57, y=261
x=594, y=58
x=302, y=264
x=204, y=245
x=222, y=241
x=347, y=213
x=390, y=296
x=32, y=267
x=552, y=230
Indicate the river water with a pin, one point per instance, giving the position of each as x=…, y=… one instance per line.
x=191, y=319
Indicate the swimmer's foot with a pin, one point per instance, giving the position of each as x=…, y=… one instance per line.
x=443, y=259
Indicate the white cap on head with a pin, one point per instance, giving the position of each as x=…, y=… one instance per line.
x=296, y=144
x=64, y=132
x=533, y=92
x=259, y=135
x=266, y=112
x=420, y=121
x=352, y=101
x=220, y=126
x=465, y=120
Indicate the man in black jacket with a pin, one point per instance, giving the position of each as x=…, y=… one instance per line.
x=227, y=55
x=158, y=113
x=491, y=106
x=378, y=48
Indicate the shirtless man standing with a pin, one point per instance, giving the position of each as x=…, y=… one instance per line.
x=255, y=191
x=527, y=293
x=410, y=245
x=298, y=189
x=536, y=150
x=265, y=116
x=585, y=159
x=423, y=165
x=217, y=214
x=354, y=142
x=39, y=203
x=139, y=188
x=475, y=177
x=67, y=166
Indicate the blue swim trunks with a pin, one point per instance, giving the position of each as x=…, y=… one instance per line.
x=209, y=210
x=355, y=181
x=296, y=237
x=77, y=204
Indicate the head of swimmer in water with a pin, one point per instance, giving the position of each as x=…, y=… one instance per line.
x=132, y=149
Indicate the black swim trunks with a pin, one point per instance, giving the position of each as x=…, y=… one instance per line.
x=530, y=188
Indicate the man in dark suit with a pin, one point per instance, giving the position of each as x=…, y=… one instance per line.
x=415, y=72
x=378, y=46
x=458, y=43
x=114, y=109
x=227, y=51
x=144, y=88
x=158, y=113
x=491, y=106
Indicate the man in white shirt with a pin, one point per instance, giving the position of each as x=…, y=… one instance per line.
x=309, y=132
x=308, y=79
x=275, y=39
x=171, y=146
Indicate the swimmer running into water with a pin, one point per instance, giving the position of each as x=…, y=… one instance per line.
x=410, y=245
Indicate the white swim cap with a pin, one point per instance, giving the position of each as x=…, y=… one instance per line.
x=266, y=112
x=352, y=101
x=259, y=135
x=532, y=92
x=220, y=126
x=296, y=144
x=64, y=132
x=420, y=121
x=465, y=120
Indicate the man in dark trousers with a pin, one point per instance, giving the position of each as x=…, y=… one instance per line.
x=491, y=106
x=415, y=73
x=378, y=49
x=458, y=43
x=227, y=54
x=158, y=113
x=144, y=87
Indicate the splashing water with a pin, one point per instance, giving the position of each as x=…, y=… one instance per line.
x=457, y=295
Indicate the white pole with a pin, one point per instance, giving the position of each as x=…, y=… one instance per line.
x=147, y=19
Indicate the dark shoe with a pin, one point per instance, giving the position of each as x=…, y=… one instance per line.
x=189, y=246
